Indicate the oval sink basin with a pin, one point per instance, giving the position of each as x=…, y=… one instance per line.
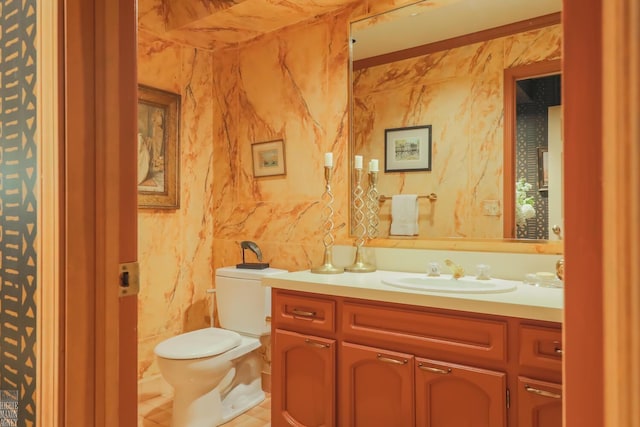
x=447, y=284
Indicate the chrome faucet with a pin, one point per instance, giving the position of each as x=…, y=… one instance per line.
x=456, y=269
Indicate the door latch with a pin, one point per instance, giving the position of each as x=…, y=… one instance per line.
x=129, y=279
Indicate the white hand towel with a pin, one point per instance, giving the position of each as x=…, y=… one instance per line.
x=404, y=215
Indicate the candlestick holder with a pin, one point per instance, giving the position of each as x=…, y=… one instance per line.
x=360, y=228
x=373, y=206
x=327, y=266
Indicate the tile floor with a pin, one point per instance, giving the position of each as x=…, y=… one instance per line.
x=156, y=412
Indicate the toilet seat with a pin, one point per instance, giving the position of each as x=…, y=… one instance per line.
x=198, y=344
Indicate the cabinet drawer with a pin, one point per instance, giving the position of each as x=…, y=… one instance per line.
x=540, y=347
x=302, y=313
x=425, y=331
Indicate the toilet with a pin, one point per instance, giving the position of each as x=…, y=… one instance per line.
x=216, y=372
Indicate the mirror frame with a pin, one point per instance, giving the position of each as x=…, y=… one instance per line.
x=504, y=245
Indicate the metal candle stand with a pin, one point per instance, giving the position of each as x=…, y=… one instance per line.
x=327, y=267
x=373, y=205
x=360, y=228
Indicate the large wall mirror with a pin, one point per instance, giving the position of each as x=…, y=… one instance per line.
x=475, y=86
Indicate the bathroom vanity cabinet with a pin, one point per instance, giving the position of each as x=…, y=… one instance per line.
x=303, y=382
x=539, y=385
x=345, y=361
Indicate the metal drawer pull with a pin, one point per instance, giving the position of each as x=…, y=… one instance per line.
x=557, y=347
x=434, y=370
x=303, y=313
x=542, y=392
x=316, y=344
x=390, y=360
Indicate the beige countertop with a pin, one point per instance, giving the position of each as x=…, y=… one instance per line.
x=525, y=301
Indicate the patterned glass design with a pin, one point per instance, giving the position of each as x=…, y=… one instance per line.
x=18, y=210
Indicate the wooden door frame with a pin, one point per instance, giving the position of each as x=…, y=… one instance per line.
x=115, y=25
x=607, y=217
x=621, y=181
x=87, y=103
x=80, y=222
x=583, y=370
x=49, y=297
x=602, y=248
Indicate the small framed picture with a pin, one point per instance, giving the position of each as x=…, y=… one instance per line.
x=407, y=149
x=268, y=158
x=543, y=169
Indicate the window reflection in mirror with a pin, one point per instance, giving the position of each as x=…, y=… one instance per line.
x=456, y=87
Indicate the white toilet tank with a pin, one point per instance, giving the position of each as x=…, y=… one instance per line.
x=242, y=302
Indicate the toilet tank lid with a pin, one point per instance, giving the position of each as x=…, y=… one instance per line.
x=246, y=273
x=198, y=344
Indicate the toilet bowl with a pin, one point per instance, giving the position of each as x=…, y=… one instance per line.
x=216, y=372
x=203, y=375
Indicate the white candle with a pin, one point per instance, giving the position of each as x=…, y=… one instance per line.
x=358, y=162
x=328, y=159
x=373, y=165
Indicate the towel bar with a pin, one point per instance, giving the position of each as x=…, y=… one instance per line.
x=432, y=197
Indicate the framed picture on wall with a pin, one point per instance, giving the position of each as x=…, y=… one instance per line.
x=407, y=149
x=158, y=149
x=268, y=158
x=543, y=169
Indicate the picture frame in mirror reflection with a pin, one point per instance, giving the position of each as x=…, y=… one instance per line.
x=158, y=141
x=268, y=158
x=407, y=149
x=543, y=169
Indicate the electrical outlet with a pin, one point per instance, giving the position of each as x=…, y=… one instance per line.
x=491, y=207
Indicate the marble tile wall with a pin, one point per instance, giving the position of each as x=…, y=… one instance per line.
x=174, y=246
x=290, y=85
x=459, y=93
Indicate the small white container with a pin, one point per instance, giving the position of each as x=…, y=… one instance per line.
x=482, y=272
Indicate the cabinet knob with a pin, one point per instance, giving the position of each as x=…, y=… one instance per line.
x=557, y=347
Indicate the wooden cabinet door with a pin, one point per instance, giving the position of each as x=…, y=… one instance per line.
x=539, y=403
x=450, y=395
x=376, y=387
x=303, y=389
